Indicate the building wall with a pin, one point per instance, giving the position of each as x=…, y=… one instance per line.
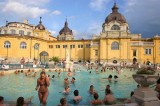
x=103, y=46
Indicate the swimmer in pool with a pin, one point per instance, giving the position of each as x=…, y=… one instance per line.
x=91, y=90
x=42, y=87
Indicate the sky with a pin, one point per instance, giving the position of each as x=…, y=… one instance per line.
x=85, y=17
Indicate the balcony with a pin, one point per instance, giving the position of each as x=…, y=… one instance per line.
x=142, y=44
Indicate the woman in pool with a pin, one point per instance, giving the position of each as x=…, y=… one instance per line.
x=67, y=90
x=110, y=78
x=96, y=101
x=43, y=84
x=73, y=80
x=91, y=90
x=109, y=98
x=66, y=82
x=115, y=78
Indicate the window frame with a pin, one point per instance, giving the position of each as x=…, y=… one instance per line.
x=115, y=46
x=23, y=45
x=134, y=52
x=7, y=44
x=148, y=51
x=115, y=27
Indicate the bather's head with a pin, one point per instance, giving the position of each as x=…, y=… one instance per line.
x=42, y=75
x=20, y=101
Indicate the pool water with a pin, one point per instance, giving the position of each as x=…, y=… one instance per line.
x=13, y=86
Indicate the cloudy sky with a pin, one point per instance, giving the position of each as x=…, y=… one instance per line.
x=85, y=17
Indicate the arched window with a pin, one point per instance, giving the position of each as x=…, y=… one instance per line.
x=115, y=27
x=23, y=45
x=21, y=32
x=115, y=46
x=7, y=44
x=36, y=46
x=13, y=31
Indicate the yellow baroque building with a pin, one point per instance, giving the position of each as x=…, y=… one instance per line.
x=114, y=44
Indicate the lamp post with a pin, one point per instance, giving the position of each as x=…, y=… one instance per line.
x=7, y=50
x=70, y=53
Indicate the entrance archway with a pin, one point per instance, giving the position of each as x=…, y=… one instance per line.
x=134, y=60
x=44, y=57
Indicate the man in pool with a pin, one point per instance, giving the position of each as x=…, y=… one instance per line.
x=43, y=84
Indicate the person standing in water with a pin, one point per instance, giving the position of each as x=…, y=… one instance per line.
x=42, y=87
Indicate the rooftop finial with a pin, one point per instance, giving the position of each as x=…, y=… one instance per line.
x=40, y=20
x=115, y=8
x=66, y=23
x=66, y=18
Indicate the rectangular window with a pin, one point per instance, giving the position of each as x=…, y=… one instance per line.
x=21, y=32
x=96, y=52
x=72, y=46
x=80, y=46
x=134, y=52
x=148, y=51
x=57, y=46
x=64, y=46
x=50, y=46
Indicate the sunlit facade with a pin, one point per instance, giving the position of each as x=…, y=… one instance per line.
x=114, y=43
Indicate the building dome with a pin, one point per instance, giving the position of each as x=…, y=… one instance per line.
x=40, y=26
x=115, y=15
x=65, y=30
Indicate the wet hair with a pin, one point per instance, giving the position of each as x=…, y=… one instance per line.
x=115, y=76
x=21, y=71
x=110, y=76
x=66, y=87
x=91, y=86
x=1, y=98
x=96, y=96
x=73, y=78
x=76, y=93
x=132, y=93
x=42, y=73
x=63, y=101
x=18, y=70
x=53, y=76
x=90, y=72
x=48, y=75
x=20, y=101
x=138, y=86
x=108, y=91
x=108, y=86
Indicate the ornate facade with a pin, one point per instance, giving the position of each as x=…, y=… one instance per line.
x=114, y=44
